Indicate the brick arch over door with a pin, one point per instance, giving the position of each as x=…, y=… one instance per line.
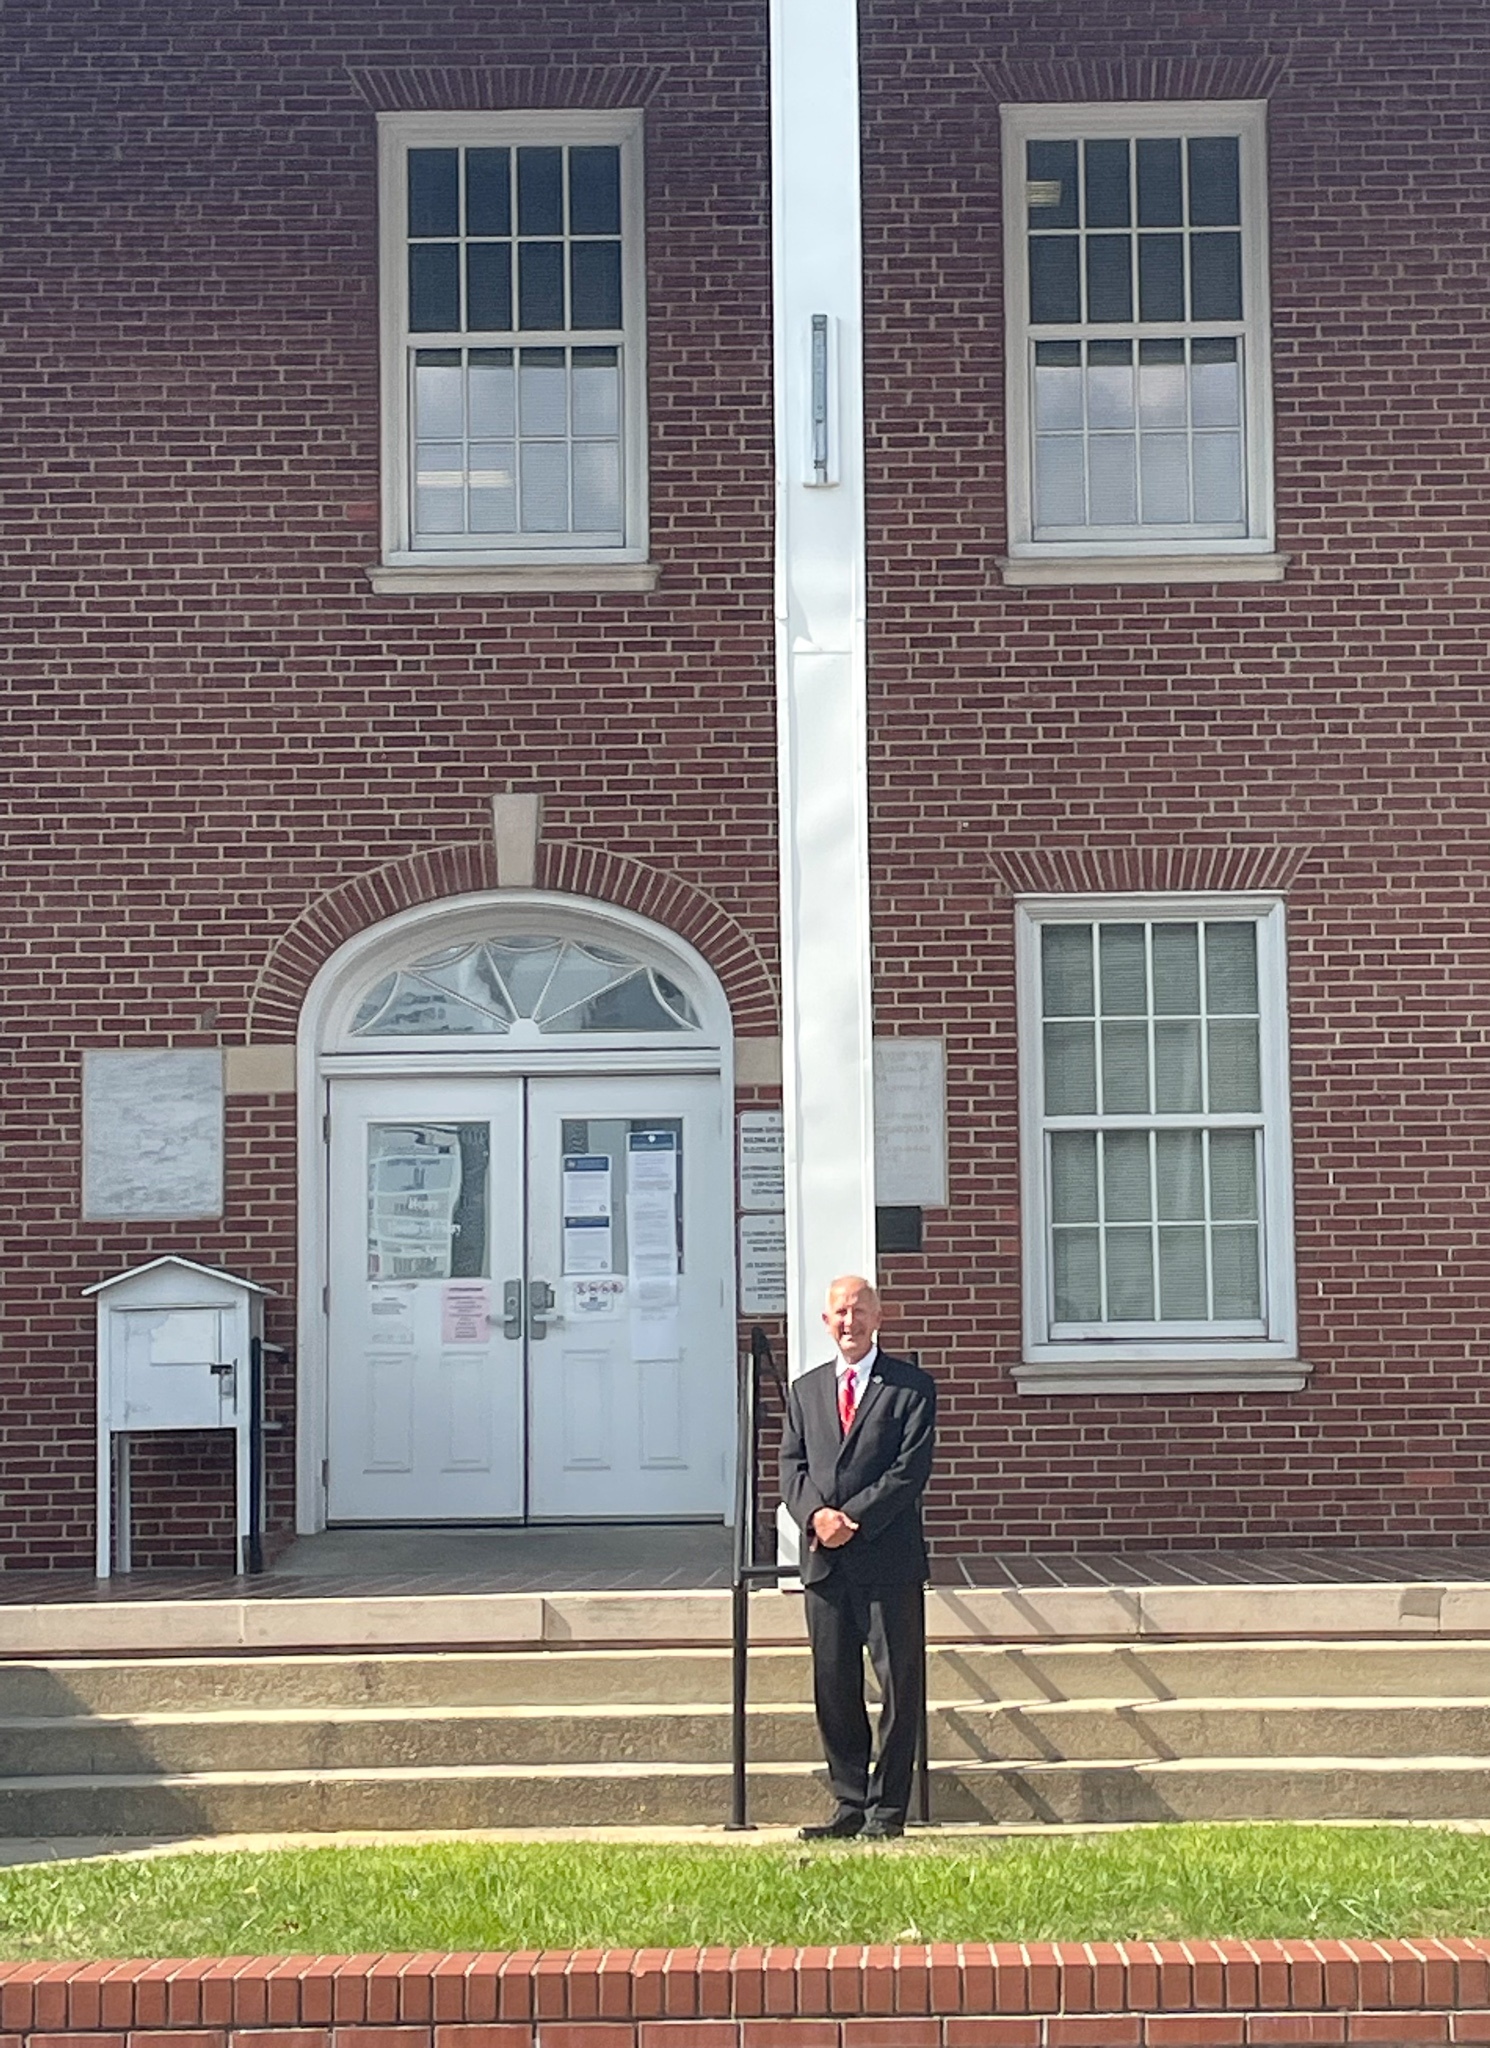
x=367, y=899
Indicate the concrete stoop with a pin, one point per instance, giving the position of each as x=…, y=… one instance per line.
x=1395, y=1727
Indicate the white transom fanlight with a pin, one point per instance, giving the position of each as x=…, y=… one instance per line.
x=521, y=986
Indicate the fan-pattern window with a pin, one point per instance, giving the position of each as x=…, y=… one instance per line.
x=487, y=986
x=1160, y=1126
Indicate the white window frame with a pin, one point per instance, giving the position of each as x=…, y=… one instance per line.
x=515, y=562
x=1171, y=556
x=1111, y=1359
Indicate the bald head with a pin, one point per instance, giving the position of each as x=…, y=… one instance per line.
x=852, y=1315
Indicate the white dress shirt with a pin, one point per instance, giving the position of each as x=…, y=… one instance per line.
x=859, y=1373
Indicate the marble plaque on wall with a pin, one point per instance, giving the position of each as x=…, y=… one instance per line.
x=152, y=1135
x=910, y=1123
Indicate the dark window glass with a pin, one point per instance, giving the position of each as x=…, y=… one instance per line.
x=1051, y=166
x=1105, y=354
x=540, y=289
x=595, y=191
x=1064, y=355
x=1109, y=277
x=1107, y=184
x=595, y=284
x=1215, y=182
x=434, y=287
x=488, y=192
x=434, y=192
x=1164, y=352
x=1161, y=277
x=489, y=285
x=1159, y=202
x=1215, y=277
x=1212, y=349
x=540, y=191
x=1055, y=283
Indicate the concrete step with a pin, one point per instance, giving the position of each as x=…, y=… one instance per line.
x=972, y=1731
x=269, y=1802
x=1440, y=1669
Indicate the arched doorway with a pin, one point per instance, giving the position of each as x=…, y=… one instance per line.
x=519, y=1221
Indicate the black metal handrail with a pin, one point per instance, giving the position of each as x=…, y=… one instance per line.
x=749, y=1572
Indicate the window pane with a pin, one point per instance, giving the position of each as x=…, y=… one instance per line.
x=597, y=486
x=1125, y=1176
x=540, y=284
x=1107, y=184
x=1165, y=469
x=1110, y=384
x=1236, y=1075
x=1066, y=970
x=596, y=384
x=1180, y=1175
x=1182, y=1289
x=1215, y=277
x=489, y=285
x=1055, y=282
x=439, y=489
x=1231, y=969
x=434, y=192
x=1161, y=277
x=1130, y=1276
x=493, y=487
x=1215, y=181
x=1215, y=383
x=1218, y=477
x=1176, y=969
x=540, y=191
x=1159, y=201
x=1058, y=385
x=545, y=487
x=595, y=284
x=427, y=1201
x=1109, y=277
x=1070, y=1070
x=595, y=191
x=1060, y=481
x=1233, y=1176
x=1073, y=1177
x=1162, y=391
x=438, y=394
x=488, y=192
x=493, y=396
x=1077, y=1277
x=1125, y=1069
x=543, y=391
x=1238, y=1275
x=1114, y=480
x=1176, y=1066
x=434, y=288
x=1124, y=976
x=1050, y=169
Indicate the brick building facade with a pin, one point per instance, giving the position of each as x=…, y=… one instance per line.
x=247, y=733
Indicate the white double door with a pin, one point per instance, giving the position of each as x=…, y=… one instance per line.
x=529, y=1308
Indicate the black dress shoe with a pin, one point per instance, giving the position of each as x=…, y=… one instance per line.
x=841, y=1828
x=881, y=1831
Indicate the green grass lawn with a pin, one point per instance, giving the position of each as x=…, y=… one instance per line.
x=1156, y=1882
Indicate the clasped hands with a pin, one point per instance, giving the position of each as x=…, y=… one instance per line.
x=831, y=1528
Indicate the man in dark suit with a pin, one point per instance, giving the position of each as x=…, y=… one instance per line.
x=855, y=1458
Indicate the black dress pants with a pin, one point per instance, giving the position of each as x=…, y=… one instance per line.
x=842, y=1620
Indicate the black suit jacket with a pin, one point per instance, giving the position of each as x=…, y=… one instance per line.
x=875, y=1475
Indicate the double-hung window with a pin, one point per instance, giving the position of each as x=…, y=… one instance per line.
x=1155, y=1141
x=513, y=379
x=1137, y=346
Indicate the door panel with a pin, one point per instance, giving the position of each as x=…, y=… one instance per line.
x=425, y=1391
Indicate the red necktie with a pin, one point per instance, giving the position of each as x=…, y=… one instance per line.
x=846, y=1402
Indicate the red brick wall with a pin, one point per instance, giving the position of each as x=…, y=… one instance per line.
x=212, y=723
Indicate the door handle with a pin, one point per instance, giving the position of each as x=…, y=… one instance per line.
x=542, y=1315
x=512, y=1308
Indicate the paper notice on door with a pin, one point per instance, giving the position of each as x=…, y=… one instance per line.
x=654, y=1319
x=390, y=1306
x=588, y=1301
x=465, y=1312
x=652, y=1207
x=587, y=1184
x=587, y=1244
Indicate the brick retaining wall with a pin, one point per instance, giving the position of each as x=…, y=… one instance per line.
x=1200, y=1994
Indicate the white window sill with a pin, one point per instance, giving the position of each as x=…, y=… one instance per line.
x=1163, y=1376
x=1049, y=570
x=413, y=579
